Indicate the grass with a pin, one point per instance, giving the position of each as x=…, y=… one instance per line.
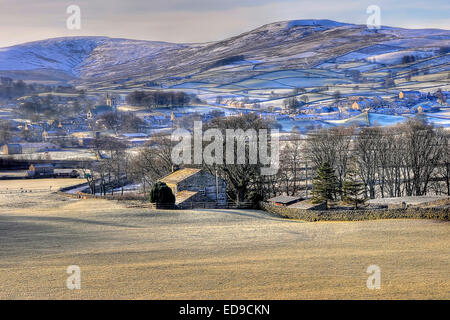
x=137, y=253
x=38, y=183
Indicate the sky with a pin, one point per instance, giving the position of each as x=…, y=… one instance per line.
x=198, y=20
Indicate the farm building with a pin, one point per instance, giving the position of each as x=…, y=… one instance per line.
x=135, y=139
x=85, y=142
x=24, y=148
x=66, y=173
x=307, y=205
x=41, y=170
x=367, y=103
x=409, y=95
x=12, y=148
x=192, y=186
x=85, y=138
x=283, y=201
x=53, y=135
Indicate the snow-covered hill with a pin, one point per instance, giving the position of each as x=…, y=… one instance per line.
x=59, y=53
x=76, y=54
x=288, y=45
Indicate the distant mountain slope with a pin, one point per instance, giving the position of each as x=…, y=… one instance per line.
x=75, y=55
x=298, y=44
x=59, y=53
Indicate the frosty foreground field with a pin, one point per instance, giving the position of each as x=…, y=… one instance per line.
x=232, y=254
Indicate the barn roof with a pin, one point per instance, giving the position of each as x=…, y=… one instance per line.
x=284, y=199
x=180, y=175
x=185, y=195
x=14, y=145
x=12, y=148
x=42, y=165
x=305, y=204
x=38, y=145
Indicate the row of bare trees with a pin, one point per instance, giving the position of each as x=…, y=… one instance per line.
x=411, y=159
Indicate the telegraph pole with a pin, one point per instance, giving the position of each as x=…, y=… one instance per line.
x=306, y=169
x=217, y=187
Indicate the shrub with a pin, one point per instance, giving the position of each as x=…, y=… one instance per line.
x=161, y=194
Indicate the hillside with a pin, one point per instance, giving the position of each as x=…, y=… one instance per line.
x=282, y=55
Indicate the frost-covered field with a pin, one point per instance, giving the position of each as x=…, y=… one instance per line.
x=72, y=154
x=225, y=254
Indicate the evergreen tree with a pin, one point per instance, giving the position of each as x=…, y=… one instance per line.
x=325, y=184
x=353, y=190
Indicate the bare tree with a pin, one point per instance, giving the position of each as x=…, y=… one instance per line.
x=331, y=146
x=291, y=158
x=244, y=181
x=153, y=161
x=390, y=157
x=367, y=145
x=110, y=120
x=444, y=167
x=424, y=149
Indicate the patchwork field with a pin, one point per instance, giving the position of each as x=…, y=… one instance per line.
x=231, y=254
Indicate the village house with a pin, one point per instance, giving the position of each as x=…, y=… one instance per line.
x=32, y=129
x=415, y=95
x=12, y=148
x=98, y=110
x=408, y=98
x=192, y=187
x=53, y=135
x=85, y=138
x=361, y=103
x=157, y=120
x=135, y=139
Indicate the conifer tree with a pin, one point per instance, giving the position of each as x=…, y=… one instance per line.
x=325, y=184
x=353, y=190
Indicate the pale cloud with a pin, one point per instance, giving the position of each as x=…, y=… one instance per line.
x=198, y=20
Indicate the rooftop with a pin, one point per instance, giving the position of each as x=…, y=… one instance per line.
x=185, y=195
x=180, y=175
x=284, y=199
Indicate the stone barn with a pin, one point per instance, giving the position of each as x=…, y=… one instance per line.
x=12, y=148
x=196, y=187
x=41, y=170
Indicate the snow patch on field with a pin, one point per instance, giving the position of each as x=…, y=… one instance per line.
x=396, y=57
